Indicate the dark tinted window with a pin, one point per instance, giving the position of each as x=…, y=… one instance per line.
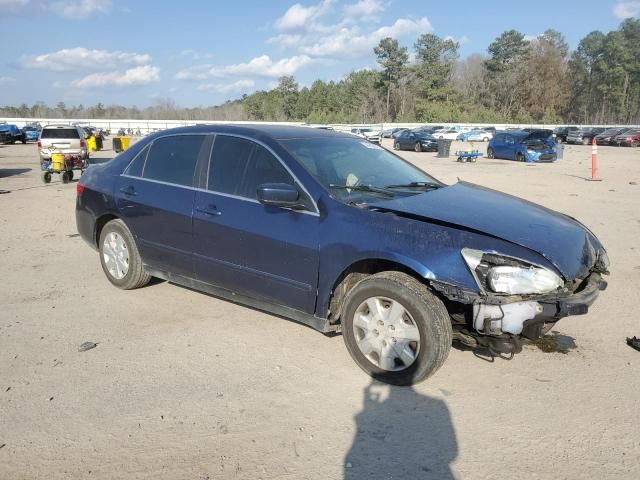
x=136, y=166
x=60, y=133
x=173, y=159
x=263, y=168
x=229, y=163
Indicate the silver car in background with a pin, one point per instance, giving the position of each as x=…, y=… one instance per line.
x=67, y=139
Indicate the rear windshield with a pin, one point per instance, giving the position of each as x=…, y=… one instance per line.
x=60, y=133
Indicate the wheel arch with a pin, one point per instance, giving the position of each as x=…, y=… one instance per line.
x=364, y=267
x=101, y=221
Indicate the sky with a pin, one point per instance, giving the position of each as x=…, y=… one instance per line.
x=201, y=53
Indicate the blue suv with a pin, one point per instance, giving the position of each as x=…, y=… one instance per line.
x=523, y=146
x=340, y=234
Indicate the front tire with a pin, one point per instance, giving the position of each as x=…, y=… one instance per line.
x=395, y=329
x=520, y=158
x=490, y=153
x=119, y=257
x=396, y=146
x=418, y=147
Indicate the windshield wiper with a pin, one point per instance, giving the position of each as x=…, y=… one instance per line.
x=427, y=185
x=364, y=188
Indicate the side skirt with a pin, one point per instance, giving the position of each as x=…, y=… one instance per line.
x=319, y=324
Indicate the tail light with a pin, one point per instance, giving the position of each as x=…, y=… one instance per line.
x=79, y=189
x=39, y=144
x=82, y=144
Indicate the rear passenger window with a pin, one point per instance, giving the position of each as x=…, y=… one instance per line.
x=263, y=168
x=229, y=162
x=173, y=159
x=135, y=167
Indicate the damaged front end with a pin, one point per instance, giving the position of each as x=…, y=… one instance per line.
x=517, y=299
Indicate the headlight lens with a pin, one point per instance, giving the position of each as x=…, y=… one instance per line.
x=518, y=281
x=512, y=276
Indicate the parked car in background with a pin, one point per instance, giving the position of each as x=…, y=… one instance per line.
x=521, y=146
x=584, y=135
x=416, y=140
x=393, y=132
x=628, y=138
x=605, y=137
x=562, y=132
x=31, y=134
x=65, y=139
x=4, y=137
x=327, y=230
x=476, y=136
x=373, y=136
x=448, y=134
x=14, y=133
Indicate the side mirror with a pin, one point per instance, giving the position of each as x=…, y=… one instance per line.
x=279, y=195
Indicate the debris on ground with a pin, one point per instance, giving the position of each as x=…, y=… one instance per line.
x=87, y=346
x=634, y=343
x=556, y=343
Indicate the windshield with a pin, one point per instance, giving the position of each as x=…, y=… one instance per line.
x=346, y=162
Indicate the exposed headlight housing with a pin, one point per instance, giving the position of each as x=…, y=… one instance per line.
x=508, y=275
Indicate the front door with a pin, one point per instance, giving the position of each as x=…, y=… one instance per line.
x=239, y=244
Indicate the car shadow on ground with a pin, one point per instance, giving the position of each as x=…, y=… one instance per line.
x=401, y=433
x=9, y=172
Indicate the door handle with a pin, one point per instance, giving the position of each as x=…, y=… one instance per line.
x=209, y=210
x=130, y=191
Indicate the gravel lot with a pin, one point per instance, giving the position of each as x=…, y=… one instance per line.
x=186, y=386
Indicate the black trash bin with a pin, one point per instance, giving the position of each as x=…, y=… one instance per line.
x=99, y=145
x=117, y=144
x=444, y=147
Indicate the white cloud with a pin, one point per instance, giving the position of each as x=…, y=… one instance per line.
x=235, y=87
x=262, y=66
x=78, y=9
x=627, y=9
x=299, y=17
x=7, y=80
x=133, y=77
x=462, y=40
x=195, y=55
x=70, y=59
x=349, y=42
x=364, y=10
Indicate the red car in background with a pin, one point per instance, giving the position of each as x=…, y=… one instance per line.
x=630, y=138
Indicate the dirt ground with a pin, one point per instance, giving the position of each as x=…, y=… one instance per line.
x=185, y=386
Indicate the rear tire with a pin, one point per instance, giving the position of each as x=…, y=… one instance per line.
x=490, y=153
x=424, y=317
x=46, y=177
x=418, y=147
x=520, y=157
x=396, y=146
x=66, y=178
x=135, y=276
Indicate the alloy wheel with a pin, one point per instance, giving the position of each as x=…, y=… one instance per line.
x=386, y=334
x=116, y=255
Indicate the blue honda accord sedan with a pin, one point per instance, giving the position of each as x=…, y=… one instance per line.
x=340, y=234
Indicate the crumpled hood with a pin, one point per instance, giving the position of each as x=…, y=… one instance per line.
x=565, y=242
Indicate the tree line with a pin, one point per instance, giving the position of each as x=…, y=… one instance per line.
x=518, y=80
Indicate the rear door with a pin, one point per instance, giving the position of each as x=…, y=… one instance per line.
x=498, y=145
x=239, y=244
x=155, y=197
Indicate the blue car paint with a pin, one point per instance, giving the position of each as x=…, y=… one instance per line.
x=513, y=144
x=31, y=134
x=294, y=259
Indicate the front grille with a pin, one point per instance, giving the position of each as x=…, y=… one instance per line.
x=546, y=156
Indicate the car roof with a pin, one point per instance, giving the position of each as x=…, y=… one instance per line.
x=62, y=125
x=276, y=132
x=515, y=133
